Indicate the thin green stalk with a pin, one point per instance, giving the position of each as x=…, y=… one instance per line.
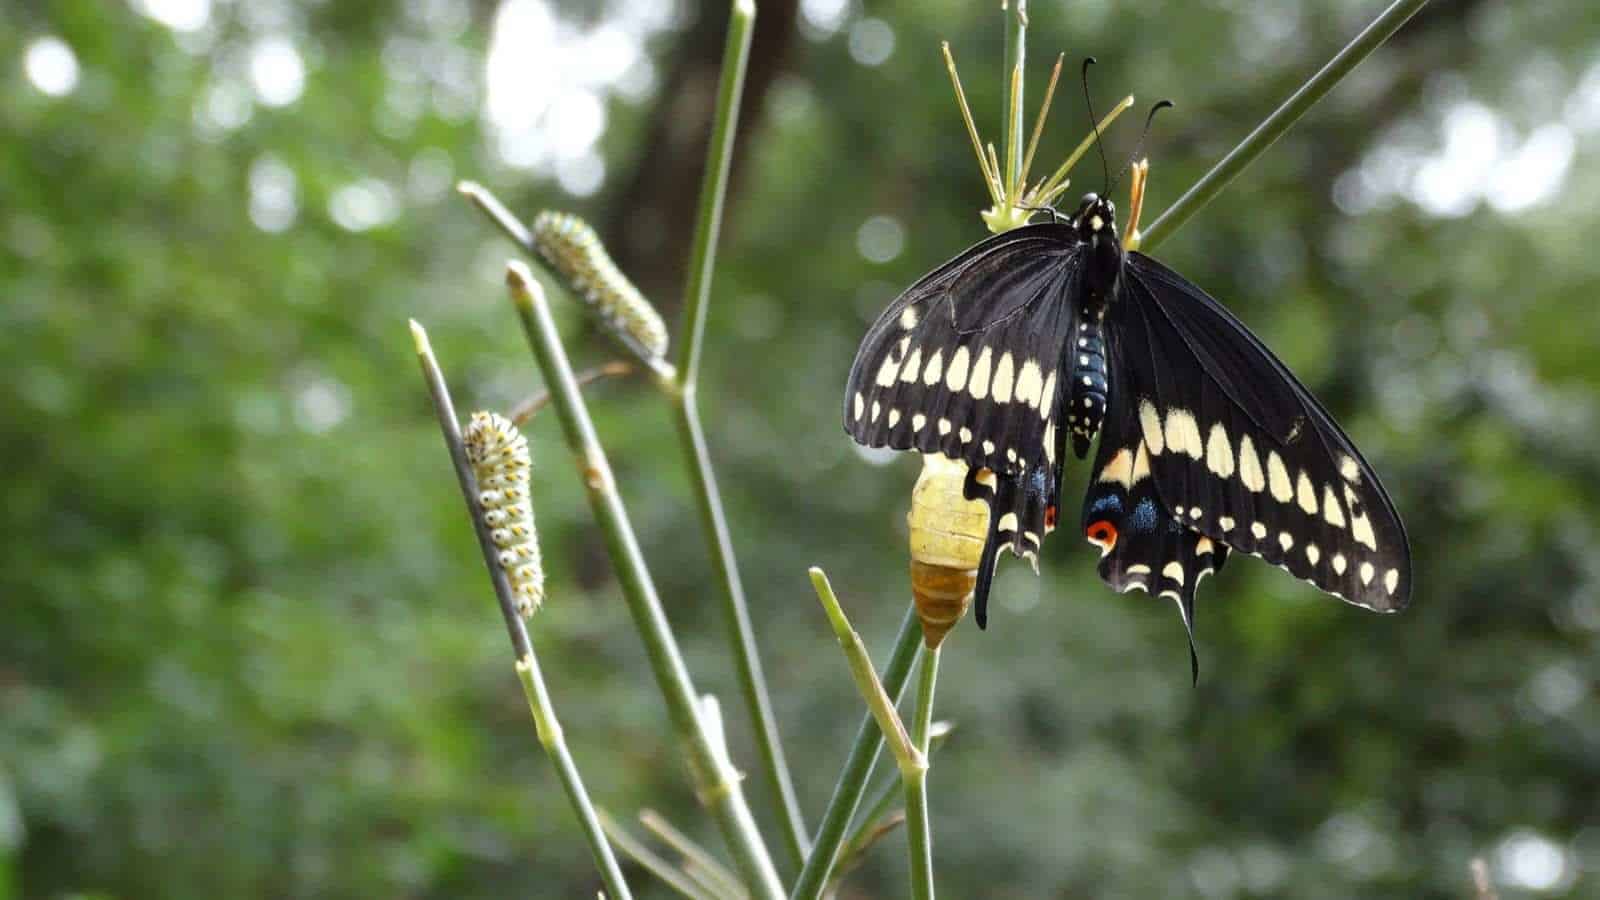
x=911, y=757
x=875, y=821
x=697, y=299
x=554, y=740
x=1016, y=61
x=741, y=634
x=907, y=756
x=919, y=831
x=1275, y=125
x=715, y=776
x=740, y=631
x=857, y=769
x=869, y=822
x=546, y=725
x=671, y=876
x=680, y=385
x=696, y=861
x=713, y=190
x=860, y=844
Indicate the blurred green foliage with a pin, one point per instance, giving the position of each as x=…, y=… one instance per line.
x=245, y=644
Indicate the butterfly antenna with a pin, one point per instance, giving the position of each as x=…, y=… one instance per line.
x=1105, y=170
x=1139, y=147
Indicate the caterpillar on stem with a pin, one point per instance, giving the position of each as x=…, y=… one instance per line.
x=501, y=462
x=573, y=249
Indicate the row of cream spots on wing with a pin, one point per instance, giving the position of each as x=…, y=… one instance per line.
x=1001, y=380
x=1178, y=432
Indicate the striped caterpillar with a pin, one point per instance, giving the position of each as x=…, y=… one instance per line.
x=572, y=248
x=501, y=461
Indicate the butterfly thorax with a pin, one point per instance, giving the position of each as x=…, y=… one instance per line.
x=1096, y=224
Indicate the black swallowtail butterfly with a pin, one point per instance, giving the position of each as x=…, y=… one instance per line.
x=1207, y=442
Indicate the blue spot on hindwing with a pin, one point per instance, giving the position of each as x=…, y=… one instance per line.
x=1110, y=501
x=1144, y=516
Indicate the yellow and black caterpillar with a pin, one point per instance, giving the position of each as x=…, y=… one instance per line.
x=501, y=461
x=572, y=248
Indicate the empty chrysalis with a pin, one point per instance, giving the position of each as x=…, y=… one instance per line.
x=501, y=461
x=948, y=532
x=572, y=248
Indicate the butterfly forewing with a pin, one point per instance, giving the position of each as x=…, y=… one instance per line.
x=965, y=363
x=1241, y=452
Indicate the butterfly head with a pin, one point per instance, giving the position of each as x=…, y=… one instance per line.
x=1096, y=223
x=1096, y=218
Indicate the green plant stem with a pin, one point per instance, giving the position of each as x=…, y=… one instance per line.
x=857, y=769
x=906, y=756
x=696, y=861
x=1016, y=13
x=717, y=781
x=713, y=190
x=740, y=631
x=867, y=824
x=677, y=879
x=681, y=386
x=554, y=740
x=697, y=301
x=919, y=831
x=912, y=759
x=546, y=725
x=1282, y=118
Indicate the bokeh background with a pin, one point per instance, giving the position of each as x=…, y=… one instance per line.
x=246, y=644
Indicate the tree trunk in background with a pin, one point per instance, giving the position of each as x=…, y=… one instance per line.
x=649, y=226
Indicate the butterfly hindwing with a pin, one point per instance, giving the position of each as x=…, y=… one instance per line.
x=1240, y=450
x=1143, y=545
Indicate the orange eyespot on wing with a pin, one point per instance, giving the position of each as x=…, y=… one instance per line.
x=1102, y=534
x=1050, y=515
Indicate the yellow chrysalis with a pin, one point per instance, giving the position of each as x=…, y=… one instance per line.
x=947, y=536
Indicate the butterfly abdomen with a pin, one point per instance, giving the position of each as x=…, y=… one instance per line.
x=1085, y=358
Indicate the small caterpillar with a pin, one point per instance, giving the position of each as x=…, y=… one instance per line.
x=501, y=461
x=947, y=537
x=572, y=248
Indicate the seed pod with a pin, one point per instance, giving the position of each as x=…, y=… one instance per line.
x=947, y=536
x=501, y=461
x=572, y=248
